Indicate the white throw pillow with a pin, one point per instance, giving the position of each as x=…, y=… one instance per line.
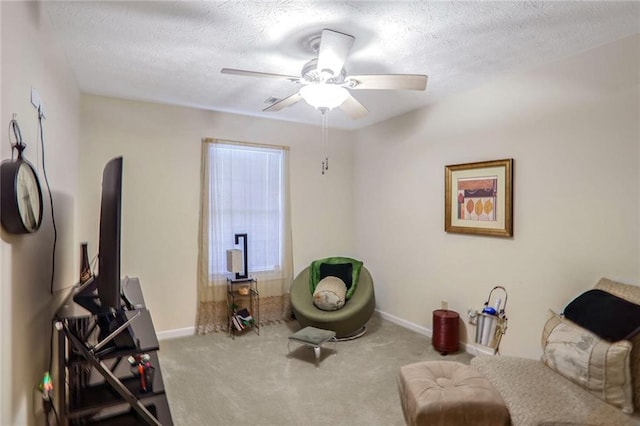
x=329, y=294
x=599, y=366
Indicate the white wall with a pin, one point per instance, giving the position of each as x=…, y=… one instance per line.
x=572, y=129
x=161, y=149
x=30, y=58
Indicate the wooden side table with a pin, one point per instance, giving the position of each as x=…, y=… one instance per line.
x=446, y=332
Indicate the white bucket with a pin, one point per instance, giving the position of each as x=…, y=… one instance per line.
x=485, y=328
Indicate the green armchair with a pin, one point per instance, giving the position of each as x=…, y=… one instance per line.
x=346, y=322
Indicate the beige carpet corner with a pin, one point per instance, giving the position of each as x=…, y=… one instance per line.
x=214, y=380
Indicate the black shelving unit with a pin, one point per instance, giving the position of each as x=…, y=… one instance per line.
x=237, y=300
x=97, y=386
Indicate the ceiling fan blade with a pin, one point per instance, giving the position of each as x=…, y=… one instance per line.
x=333, y=51
x=388, y=81
x=283, y=103
x=353, y=108
x=260, y=74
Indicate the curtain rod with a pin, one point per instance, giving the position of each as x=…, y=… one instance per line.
x=257, y=145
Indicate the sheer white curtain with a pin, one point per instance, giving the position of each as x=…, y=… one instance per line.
x=244, y=189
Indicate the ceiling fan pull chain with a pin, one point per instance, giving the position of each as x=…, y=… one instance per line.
x=325, y=140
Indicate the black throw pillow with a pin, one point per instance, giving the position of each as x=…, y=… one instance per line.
x=344, y=271
x=606, y=315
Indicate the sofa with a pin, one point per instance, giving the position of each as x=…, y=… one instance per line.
x=537, y=394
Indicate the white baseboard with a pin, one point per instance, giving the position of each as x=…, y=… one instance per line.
x=470, y=348
x=406, y=324
x=475, y=349
x=172, y=334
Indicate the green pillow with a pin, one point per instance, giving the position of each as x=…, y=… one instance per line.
x=314, y=274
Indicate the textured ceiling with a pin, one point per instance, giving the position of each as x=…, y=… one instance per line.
x=172, y=52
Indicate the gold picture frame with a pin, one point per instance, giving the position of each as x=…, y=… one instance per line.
x=478, y=198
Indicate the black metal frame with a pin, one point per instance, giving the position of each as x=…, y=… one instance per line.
x=245, y=265
x=89, y=354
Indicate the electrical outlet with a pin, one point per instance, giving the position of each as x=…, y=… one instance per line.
x=444, y=305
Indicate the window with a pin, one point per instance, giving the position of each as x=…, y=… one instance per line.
x=244, y=189
x=246, y=195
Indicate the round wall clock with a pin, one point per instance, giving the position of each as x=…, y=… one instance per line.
x=20, y=197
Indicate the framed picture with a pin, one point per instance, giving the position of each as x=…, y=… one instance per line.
x=478, y=198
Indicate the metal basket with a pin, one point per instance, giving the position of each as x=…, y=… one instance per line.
x=490, y=328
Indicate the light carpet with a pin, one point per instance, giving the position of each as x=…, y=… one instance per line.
x=216, y=380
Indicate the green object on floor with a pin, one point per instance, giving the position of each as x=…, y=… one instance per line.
x=347, y=320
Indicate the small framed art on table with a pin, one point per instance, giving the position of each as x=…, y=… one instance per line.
x=478, y=198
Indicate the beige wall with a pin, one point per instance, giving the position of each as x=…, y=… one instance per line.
x=572, y=129
x=161, y=149
x=30, y=58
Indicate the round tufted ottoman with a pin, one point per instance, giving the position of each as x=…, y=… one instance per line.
x=449, y=393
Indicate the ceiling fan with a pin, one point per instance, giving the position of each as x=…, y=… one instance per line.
x=325, y=80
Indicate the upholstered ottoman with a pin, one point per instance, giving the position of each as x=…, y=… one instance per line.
x=449, y=393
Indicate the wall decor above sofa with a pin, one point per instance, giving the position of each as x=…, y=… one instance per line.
x=478, y=198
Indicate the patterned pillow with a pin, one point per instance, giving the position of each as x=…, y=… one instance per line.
x=329, y=294
x=600, y=367
x=314, y=273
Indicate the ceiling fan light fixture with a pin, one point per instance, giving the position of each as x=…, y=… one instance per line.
x=327, y=96
x=325, y=81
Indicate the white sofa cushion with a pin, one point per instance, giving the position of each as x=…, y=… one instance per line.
x=632, y=294
x=599, y=366
x=538, y=396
